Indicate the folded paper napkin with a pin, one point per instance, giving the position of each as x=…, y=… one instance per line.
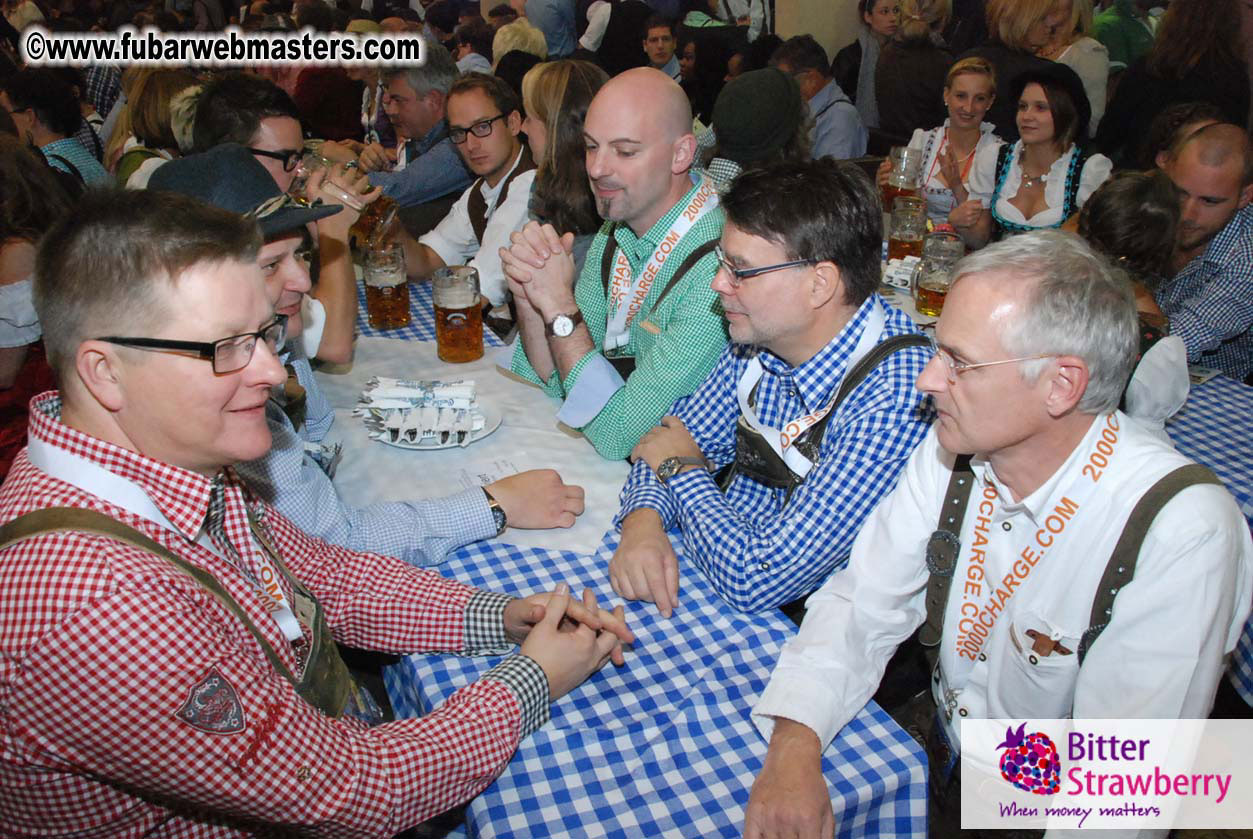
x=420, y=413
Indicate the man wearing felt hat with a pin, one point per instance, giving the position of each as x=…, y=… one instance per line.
x=170, y=639
x=759, y=118
x=292, y=477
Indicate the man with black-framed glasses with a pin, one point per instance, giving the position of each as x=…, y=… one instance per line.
x=484, y=119
x=191, y=678
x=771, y=466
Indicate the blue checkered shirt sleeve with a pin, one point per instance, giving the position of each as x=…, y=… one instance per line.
x=757, y=550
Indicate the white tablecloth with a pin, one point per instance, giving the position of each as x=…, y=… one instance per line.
x=528, y=438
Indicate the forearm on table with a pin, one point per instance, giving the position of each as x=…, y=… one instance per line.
x=337, y=292
x=422, y=531
x=642, y=491
x=420, y=260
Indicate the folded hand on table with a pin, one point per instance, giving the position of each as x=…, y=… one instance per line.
x=644, y=566
x=538, y=499
x=567, y=639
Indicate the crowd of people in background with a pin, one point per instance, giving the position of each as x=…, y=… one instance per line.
x=552, y=145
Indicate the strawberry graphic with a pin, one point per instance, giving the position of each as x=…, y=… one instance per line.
x=1030, y=762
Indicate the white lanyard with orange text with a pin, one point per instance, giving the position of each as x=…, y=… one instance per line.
x=96, y=480
x=979, y=614
x=626, y=293
x=781, y=441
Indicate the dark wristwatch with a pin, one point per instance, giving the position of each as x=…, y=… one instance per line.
x=670, y=467
x=563, y=325
x=498, y=512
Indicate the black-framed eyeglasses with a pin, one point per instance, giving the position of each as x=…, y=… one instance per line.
x=227, y=354
x=739, y=275
x=290, y=157
x=480, y=129
x=953, y=368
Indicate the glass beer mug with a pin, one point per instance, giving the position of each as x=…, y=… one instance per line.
x=458, y=314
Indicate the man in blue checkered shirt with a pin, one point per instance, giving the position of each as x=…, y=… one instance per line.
x=1210, y=300
x=801, y=469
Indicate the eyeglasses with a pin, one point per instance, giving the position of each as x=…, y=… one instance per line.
x=227, y=354
x=739, y=275
x=290, y=157
x=953, y=367
x=480, y=129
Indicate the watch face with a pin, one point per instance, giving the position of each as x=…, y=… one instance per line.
x=667, y=468
x=562, y=326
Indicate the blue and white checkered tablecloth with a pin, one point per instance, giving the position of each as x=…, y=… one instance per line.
x=421, y=323
x=1215, y=428
x=663, y=747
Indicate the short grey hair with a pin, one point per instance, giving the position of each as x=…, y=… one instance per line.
x=1075, y=303
x=438, y=72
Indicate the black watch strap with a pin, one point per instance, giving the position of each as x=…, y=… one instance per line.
x=498, y=512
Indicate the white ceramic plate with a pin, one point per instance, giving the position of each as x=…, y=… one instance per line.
x=491, y=421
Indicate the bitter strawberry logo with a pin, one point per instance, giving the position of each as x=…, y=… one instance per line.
x=1030, y=761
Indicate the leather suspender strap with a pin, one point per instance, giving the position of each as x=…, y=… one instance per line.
x=625, y=365
x=943, y=549
x=476, y=204
x=1121, y=567
x=871, y=360
x=325, y=690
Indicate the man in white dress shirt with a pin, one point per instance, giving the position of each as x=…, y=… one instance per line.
x=1035, y=345
x=484, y=118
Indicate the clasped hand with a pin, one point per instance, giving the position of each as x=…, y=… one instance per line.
x=540, y=267
x=569, y=640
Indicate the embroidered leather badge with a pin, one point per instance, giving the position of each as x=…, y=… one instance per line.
x=213, y=706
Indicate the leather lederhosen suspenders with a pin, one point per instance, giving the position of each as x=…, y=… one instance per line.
x=326, y=684
x=476, y=204
x=944, y=546
x=755, y=459
x=625, y=364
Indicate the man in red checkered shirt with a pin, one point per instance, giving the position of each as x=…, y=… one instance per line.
x=164, y=665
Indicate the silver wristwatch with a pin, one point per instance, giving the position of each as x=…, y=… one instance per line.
x=563, y=325
x=670, y=467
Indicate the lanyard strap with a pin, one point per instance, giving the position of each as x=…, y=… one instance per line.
x=780, y=442
x=978, y=619
x=96, y=480
x=627, y=293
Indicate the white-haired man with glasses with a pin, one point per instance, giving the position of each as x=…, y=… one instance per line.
x=771, y=466
x=1056, y=560
x=170, y=639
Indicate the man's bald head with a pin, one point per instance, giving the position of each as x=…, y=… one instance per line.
x=1217, y=146
x=640, y=147
x=667, y=104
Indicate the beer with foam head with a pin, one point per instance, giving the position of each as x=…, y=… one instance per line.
x=386, y=287
x=458, y=314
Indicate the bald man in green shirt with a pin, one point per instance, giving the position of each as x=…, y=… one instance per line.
x=641, y=327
